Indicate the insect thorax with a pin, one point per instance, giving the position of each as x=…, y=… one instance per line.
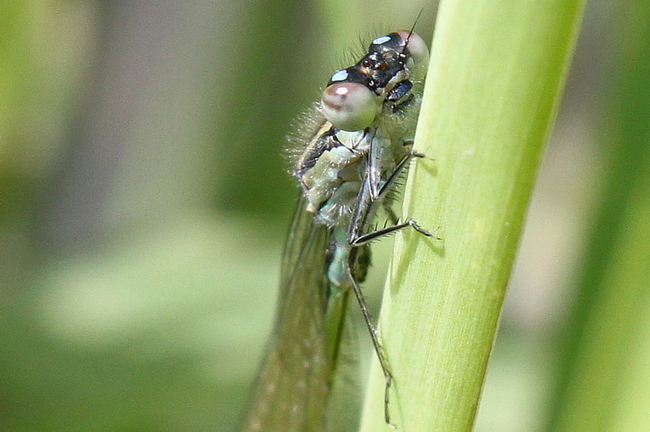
x=370, y=105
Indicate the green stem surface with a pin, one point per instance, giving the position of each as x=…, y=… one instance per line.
x=495, y=79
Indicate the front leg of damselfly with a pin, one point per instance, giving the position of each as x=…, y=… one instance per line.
x=378, y=186
x=399, y=169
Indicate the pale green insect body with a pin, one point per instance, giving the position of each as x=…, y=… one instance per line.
x=354, y=146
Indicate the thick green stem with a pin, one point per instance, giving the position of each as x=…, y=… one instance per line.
x=492, y=91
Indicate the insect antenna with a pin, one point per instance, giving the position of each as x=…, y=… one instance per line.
x=417, y=18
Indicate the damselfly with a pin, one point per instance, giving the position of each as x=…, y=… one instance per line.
x=354, y=145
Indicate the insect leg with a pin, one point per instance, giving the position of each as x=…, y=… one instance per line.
x=366, y=202
x=374, y=335
x=363, y=209
x=374, y=235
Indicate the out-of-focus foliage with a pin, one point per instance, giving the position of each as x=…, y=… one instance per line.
x=605, y=383
x=144, y=201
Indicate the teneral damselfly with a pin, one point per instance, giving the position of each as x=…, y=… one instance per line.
x=354, y=145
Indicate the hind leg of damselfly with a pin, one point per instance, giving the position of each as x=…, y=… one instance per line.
x=365, y=207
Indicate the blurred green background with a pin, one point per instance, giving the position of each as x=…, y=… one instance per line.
x=144, y=201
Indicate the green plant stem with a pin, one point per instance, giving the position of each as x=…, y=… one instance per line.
x=492, y=91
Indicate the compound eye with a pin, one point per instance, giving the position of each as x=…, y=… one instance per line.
x=350, y=106
x=419, y=52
